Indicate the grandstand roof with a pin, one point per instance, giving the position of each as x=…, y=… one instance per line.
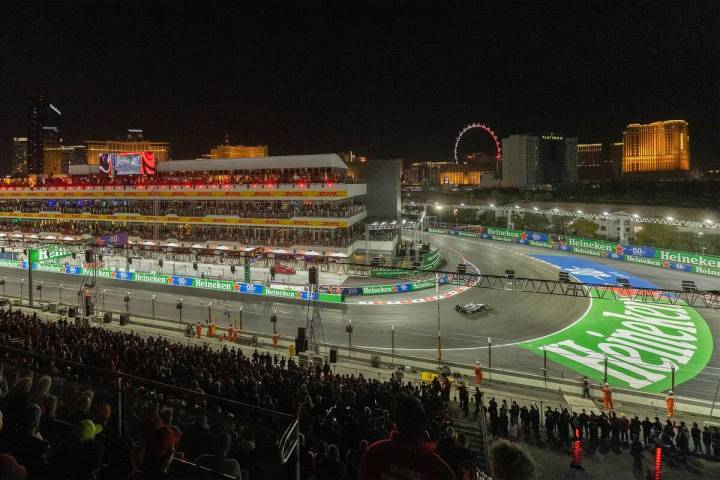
x=325, y=160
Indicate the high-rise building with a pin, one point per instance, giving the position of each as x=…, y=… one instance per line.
x=521, y=156
x=558, y=160
x=531, y=160
x=58, y=157
x=19, y=156
x=599, y=162
x=95, y=148
x=43, y=123
x=135, y=135
x=656, y=147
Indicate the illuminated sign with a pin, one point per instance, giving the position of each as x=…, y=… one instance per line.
x=132, y=163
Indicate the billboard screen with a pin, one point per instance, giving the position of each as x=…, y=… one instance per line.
x=131, y=163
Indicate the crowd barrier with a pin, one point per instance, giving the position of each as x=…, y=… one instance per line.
x=656, y=257
x=180, y=281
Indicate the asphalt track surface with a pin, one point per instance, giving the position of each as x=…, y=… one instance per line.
x=517, y=317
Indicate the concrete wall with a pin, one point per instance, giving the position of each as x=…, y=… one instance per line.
x=383, y=188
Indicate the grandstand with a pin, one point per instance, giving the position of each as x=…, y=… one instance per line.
x=303, y=203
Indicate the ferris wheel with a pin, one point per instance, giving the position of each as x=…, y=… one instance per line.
x=481, y=126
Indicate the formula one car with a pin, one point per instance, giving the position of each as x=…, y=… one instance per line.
x=473, y=307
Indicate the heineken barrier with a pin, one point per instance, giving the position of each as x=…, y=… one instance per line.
x=396, y=288
x=430, y=260
x=656, y=257
x=180, y=281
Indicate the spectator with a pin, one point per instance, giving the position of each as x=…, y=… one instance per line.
x=27, y=445
x=158, y=454
x=10, y=469
x=332, y=468
x=406, y=455
x=510, y=462
x=219, y=461
x=81, y=457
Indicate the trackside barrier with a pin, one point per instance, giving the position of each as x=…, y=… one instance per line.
x=656, y=257
x=394, y=288
x=180, y=281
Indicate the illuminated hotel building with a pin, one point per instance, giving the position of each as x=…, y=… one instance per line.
x=657, y=147
x=97, y=147
x=238, y=151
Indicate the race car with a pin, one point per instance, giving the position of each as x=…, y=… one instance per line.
x=284, y=269
x=473, y=307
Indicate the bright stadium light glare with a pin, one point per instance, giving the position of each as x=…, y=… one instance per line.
x=492, y=205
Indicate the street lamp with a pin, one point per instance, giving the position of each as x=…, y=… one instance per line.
x=273, y=320
x=179, y=308
x=349, y=330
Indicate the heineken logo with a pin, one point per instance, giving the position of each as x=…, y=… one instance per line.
x=642, y=343
x=275, y=292
x=594, y=244
x=151, y=278
x=689, y=258
x=214, y=284
x=380, y=289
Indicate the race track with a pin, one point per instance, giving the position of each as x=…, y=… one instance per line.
x=517, y=317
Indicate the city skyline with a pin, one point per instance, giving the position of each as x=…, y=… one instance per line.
x=397, y=80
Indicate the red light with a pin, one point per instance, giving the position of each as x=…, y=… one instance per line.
x=301, y=185
x=658, y=464
x=330, y=184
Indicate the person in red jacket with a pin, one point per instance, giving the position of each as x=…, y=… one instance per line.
x=406, y=455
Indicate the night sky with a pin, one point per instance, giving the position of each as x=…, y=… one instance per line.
x=387, y=79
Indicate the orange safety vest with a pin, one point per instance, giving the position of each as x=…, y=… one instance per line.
x=478, y=374
x=607, y=398
x=211, y=330
x=670, y=402
x=198, y=329
x=231, y=333
x=275, y=340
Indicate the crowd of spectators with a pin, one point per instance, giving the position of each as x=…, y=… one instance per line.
x=351, y=426
x=256, y=177
x=269, y=209
x=602, y=431
x=251, y=236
